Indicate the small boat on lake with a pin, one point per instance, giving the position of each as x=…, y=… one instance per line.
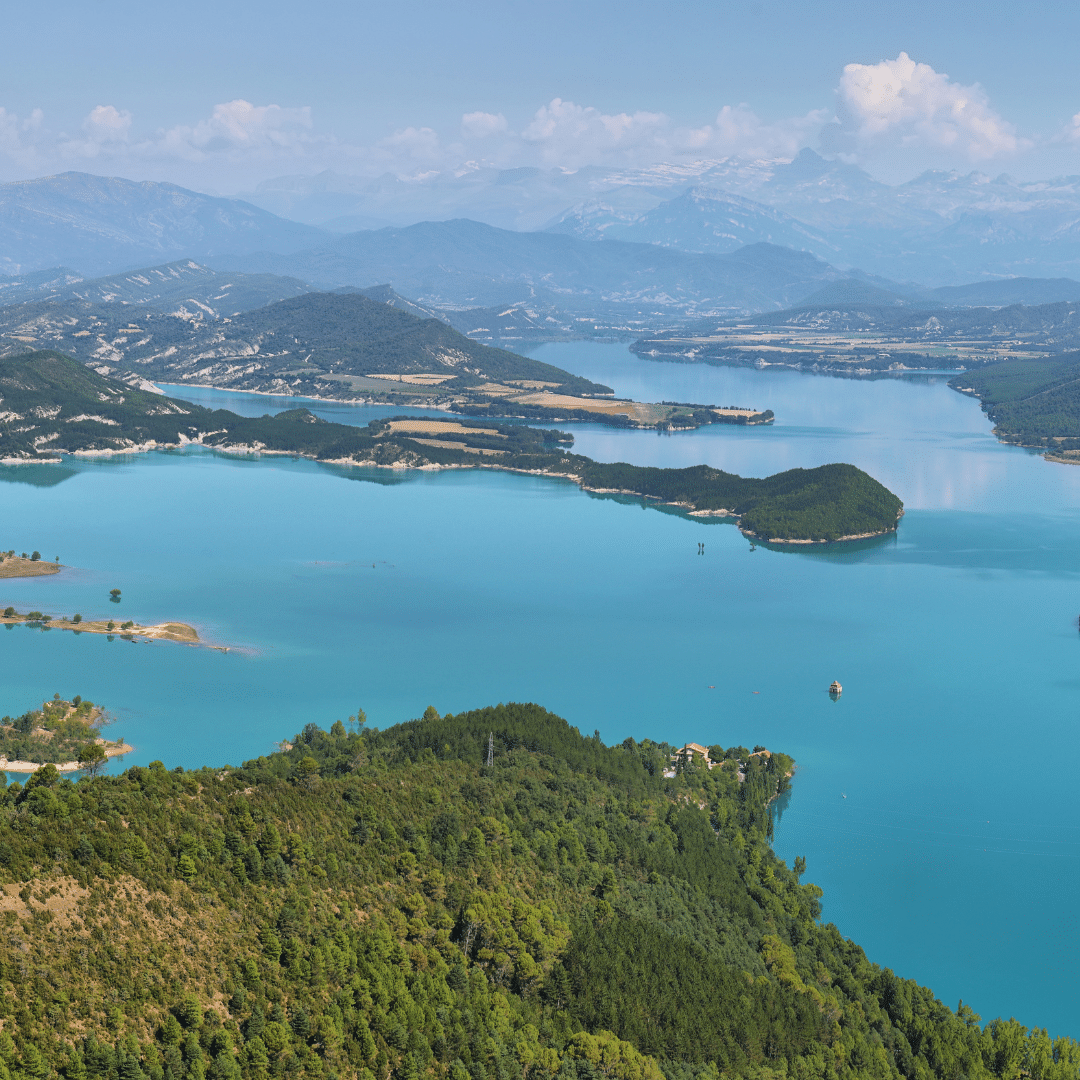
x=836, y=689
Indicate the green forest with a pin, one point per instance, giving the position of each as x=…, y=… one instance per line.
x=1033, y=402
x=825, y=503
x=385, y=905
x=305, y=337
x=59, y=731
x=62, y=405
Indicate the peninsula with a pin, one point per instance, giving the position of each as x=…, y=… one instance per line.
x=1033, y=403
x=341, y=346
x=389, y=904
x=171, y=631
x=64, y=407
x=12, y=565
x=66, y=734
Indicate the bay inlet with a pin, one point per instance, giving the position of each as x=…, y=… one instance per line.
x=955, y=855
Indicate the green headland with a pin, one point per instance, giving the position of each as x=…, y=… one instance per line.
x=387, y=905
x=56, y=405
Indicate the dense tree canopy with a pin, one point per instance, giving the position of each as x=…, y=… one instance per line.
x=384, y=905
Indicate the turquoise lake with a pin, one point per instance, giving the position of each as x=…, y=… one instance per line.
x=934, y=801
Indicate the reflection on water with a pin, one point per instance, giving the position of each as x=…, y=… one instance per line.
x=926, y=442
x=245, y=404
x=36, y=475
x=953, y=857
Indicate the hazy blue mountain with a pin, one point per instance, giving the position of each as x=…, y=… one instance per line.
x=182, y=285
x=523, y=198
x=20, y=287
x=102, y=225
x=314, y=343
x=467, y=264
x=384, y=294
x=941, y=228
x=509, y=326
x=848, y=291
x=700, y=220
x=1021, y=290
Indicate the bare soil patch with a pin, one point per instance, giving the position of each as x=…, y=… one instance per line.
x=16, y=566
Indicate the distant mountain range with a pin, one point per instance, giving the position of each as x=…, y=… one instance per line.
x=467, y=264
x=103, y=224
x=938, y=229
x=642, y=248
x=697, y=220
x=846, y=293
x=178, y=286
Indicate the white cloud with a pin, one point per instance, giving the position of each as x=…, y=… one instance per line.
x=901, y=103
x=106, y=123
x=238, y=127
x=1071, y=132
x=412, y=143
x=898, y=110
x=567, y=134
x=739, y=132
x=481, y=125
x=19, y=139
x=572, y=135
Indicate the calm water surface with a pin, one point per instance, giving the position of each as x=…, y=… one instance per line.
x=934, y=801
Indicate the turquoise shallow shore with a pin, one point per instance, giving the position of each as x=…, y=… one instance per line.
x=954, y=856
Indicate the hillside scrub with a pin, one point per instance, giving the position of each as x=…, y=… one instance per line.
x=383, y=905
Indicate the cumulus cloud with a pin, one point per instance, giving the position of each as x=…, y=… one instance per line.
x=20, y=138
x=739, y=132
x=105, y=131
x=481, y=125
x=897, y=107
x=571, y=135
x=1071, y=131
x=412, y=143
x=238, y=127
x=106, y=123
x=901, y=103
x=235, y=134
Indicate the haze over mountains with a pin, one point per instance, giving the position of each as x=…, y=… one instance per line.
x=464, y=263
x=182, y=284
x=640, y=249
x=100, y=224
x=942, y=228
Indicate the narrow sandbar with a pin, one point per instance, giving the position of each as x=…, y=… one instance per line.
x=170, y=631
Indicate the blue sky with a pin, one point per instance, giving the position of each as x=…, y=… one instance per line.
x=220, y=95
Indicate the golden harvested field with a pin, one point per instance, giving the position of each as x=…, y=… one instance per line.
x=418, y=379
x=447, y=444
x=438, y=427
x=564, y=401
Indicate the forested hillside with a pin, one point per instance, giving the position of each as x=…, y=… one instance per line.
x=385, y=905
x=1033, y=402
x=316, y=344
x=50, y=404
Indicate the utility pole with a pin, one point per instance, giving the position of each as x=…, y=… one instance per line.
x=491, y=749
